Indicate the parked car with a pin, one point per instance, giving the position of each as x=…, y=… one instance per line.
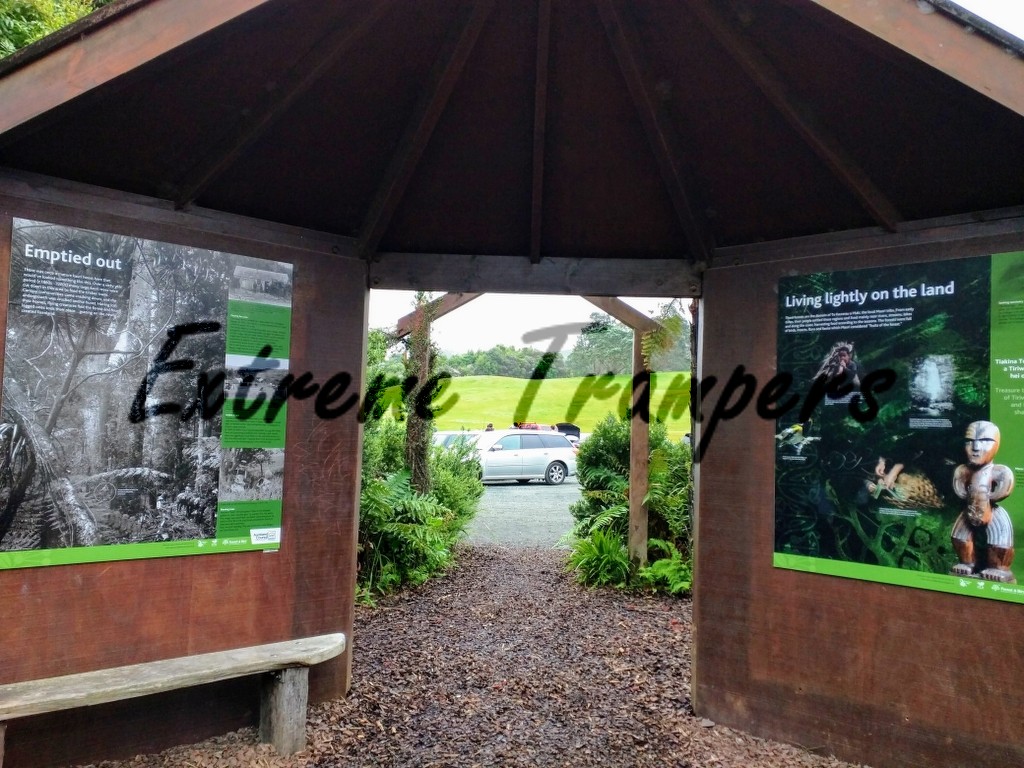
x=569, y=429
x=525, y=455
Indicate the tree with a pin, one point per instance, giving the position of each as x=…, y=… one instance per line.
x=419, y=365
x=24, y=21
x=72, y=379
x=604, y=345
x=671, y=348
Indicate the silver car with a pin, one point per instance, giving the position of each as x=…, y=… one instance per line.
x=525, y=455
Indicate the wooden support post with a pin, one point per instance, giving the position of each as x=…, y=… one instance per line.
x=639, y=455
x=283, y=701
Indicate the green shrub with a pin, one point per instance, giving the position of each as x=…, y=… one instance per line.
x=403, y=536
x=600, y=560
x=383, y=448
x=603, y=470
x=455, y=483
x=406, y=537
x=25, y=21
x=670, y=494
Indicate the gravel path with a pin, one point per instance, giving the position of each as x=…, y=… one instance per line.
x=531, y=515
x=505, y=661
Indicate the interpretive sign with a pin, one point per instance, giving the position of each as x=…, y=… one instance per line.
x=129, y=426
x=922, y=493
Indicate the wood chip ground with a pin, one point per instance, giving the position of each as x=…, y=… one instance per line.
x=505, y=661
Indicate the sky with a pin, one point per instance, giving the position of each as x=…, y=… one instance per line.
x=499, y=318
x=1008, y=14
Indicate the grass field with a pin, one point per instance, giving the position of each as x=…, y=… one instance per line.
x=582, y=401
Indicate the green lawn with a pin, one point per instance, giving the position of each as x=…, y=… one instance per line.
x=582, y=401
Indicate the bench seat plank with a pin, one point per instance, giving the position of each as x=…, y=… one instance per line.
x=33, y=697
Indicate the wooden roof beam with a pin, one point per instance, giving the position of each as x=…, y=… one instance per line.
x=941, y=42
x=767, y=79
x=256, y=120
x=445, y=73
x=625, y=44
x=540, y=106
x=104, y=51
x=624, y=313
x=436, y=308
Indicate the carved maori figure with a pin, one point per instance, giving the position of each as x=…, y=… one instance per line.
x=982, y=485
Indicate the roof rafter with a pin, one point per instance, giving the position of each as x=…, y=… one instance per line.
x=121, y=43
x=940, y=41
x=625, y=44
x=436, y=309
x=768, y=80
x=254, y=121
x=624, y=313
x=540, y=106
x=445, y=73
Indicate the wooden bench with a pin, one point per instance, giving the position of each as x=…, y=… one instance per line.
x=284, y=693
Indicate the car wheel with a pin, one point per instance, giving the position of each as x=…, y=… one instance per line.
x=522, y=482
x=555, y=473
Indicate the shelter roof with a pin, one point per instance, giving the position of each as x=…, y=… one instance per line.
x=630, y=129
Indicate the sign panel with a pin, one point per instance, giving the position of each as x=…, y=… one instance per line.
x=913, y=485
x=137, y=411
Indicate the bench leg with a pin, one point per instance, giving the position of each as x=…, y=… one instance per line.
x=3, y=729
x=283, y=703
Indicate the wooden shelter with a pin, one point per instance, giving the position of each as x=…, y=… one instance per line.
x=590, y=147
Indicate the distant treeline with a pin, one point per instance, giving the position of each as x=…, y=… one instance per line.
x=604, y=345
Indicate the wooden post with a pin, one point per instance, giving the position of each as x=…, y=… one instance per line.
x=639, y=449
x=284, y=697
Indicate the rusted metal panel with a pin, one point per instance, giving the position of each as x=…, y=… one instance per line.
x=872, y=673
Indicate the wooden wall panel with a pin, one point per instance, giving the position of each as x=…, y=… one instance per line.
x=879, y=674
x=74, y=618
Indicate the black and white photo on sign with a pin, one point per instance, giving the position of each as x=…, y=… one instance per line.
x=251, y=280
x=251, y=474
x=89, y=312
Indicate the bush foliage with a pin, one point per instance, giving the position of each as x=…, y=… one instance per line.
x=405, y=537
x=25, y=21
x=603, y=511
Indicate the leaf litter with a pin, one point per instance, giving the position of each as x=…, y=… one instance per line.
x=506, y=661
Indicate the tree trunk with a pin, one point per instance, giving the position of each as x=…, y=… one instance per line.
x=417, y=434
x=70, y=512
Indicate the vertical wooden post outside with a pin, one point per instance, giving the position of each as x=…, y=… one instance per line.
x=639, y=450
x=284, y=697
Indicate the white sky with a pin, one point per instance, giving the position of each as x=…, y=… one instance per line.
x=498, y=318
x=1008, y=14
